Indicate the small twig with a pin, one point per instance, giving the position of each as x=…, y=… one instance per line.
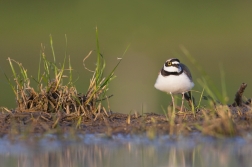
x=248, y=102
x=238, y=95
x=55, y=123
x=107, y=97
x=5, y=109
x=44, y=118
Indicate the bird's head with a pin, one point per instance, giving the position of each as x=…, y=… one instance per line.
x=172, y=65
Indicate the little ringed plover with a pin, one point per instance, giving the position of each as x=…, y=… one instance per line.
x=174, y=78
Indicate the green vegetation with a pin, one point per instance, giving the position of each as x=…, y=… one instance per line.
x=53, y=94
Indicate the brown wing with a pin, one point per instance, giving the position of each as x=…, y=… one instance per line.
x=186, y=71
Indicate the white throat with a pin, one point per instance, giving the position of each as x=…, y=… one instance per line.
x=172, y=69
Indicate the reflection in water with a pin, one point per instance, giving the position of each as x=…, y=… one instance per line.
x=93, y=150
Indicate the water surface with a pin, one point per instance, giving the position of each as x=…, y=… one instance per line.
x=125, y=151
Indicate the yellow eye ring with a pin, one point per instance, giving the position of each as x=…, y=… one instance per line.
x=169, y=63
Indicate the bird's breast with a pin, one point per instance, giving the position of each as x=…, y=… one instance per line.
x=174, y=83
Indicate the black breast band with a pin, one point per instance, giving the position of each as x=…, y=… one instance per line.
x=166, y=73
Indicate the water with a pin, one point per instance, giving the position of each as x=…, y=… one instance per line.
x=125, y=151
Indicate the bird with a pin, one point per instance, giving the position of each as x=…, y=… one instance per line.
x=174, y=78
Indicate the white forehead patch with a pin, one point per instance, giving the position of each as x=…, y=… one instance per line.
x=175, y=62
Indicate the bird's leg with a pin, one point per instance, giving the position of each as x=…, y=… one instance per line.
x=183, y=97
x=173, y=104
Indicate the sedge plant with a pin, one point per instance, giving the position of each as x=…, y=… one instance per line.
x=53, y=94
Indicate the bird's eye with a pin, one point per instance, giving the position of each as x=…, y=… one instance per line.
x=168, y=63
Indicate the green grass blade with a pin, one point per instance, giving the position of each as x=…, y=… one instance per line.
x=12, y=68
x=165, y=113
x=97, y=70
x=201, y=96
x=35, y=79
x=23, y=72
x=54, y=57
x=215, y=93
x=47, y=71
x=51, y=43
x=9, y=82
x=110, y=76
x=39, y=67
x=70, y=71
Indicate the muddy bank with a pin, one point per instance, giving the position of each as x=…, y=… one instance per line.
x=219, y=121
x=226, y=121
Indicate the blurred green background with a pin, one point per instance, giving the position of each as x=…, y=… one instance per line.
x=215, y=33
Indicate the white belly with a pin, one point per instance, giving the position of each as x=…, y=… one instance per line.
x=174, y=83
